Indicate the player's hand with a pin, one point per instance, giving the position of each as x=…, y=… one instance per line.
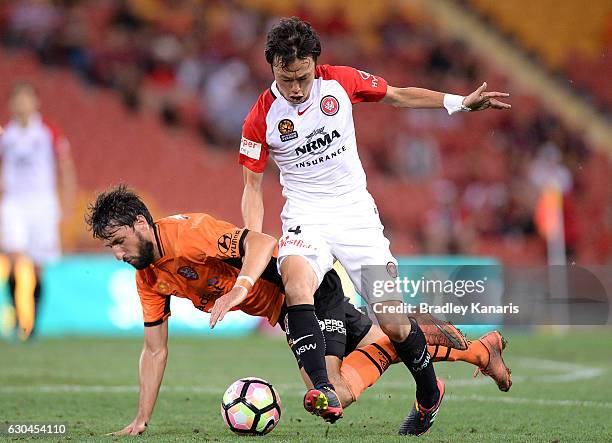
x=137, y=427
x=481, y=99
x=226, y=302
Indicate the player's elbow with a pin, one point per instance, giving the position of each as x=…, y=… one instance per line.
x=392, y=97
x=268, y=240
x=261, y=241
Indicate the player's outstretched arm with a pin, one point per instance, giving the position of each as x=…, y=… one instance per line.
x=478, y=100
x=252, y=200
x=258, y=249
x=152, y=366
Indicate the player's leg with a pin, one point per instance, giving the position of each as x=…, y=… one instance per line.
x=374, y=354
x=346, y=328
x=333, y=364
x=303, y=261
x=330, y=310
x=43, y=247
x=12, y=287
x=369, y=351
x=329, y=303
x=366, y=363
x=340, y=383
x=367, y=246
x=13, y=242
x=26, y=283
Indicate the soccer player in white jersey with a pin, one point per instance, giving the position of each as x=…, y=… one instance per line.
x=304, y=122
x=34, y=155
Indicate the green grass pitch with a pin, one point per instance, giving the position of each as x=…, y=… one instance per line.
x=562, y=391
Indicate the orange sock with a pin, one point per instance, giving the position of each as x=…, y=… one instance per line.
x=364, y=366
x=476, y=353
x=25, y=304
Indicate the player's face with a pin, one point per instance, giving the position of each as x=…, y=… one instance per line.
x=295, y=80
x=130, y=246
x=24, y=103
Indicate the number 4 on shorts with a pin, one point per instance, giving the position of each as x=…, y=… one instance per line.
x=296, y=230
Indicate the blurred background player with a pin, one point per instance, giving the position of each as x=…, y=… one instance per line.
x=35, y=156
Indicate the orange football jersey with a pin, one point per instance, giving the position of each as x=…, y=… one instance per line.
x=201, y=258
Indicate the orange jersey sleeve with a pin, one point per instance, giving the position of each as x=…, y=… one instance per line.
x=214, y=238
x=155, y=306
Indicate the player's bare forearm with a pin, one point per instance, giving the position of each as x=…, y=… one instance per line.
x=258, y=249
x=151, y=371
x=478, y=100
x=252, y=200
x=252, y=209
x=413, y=98
x=152, y=366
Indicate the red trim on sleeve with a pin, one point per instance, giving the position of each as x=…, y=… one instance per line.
x=360, y=86
x=58, y=139
x=253, y=146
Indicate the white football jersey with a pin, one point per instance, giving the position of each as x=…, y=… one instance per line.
x=29, y=159
x=313, y=143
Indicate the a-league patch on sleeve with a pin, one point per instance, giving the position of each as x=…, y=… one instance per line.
x=250, y=148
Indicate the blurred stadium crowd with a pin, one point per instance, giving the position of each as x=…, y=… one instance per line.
x=466, y=184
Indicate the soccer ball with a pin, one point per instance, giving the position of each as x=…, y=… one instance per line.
x=251, y=406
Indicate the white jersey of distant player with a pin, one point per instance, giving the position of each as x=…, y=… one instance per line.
x=313, y=143
x=30, y=210
x=29, y=160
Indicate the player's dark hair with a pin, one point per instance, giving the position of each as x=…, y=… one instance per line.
x=291, y=39
x=114, y=208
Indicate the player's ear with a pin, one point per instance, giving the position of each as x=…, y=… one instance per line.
x=141, y=224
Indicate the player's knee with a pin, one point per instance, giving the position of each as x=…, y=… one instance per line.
x=299, y=280
x=396, y=332
x=299, y=293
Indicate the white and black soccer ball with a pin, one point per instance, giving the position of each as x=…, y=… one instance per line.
x=251, y=406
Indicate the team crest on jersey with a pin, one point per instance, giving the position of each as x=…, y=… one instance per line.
x=329, y=105
x=287, y=130
x=188, y=273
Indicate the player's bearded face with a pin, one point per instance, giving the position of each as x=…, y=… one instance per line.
x=295, y=80
x=145, y=253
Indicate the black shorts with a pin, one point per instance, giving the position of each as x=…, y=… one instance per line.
x=342, y=324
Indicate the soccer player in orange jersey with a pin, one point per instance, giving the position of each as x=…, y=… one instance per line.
x=220, y=267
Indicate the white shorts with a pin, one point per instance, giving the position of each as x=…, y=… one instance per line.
x=354, y=240
x=30, y=228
